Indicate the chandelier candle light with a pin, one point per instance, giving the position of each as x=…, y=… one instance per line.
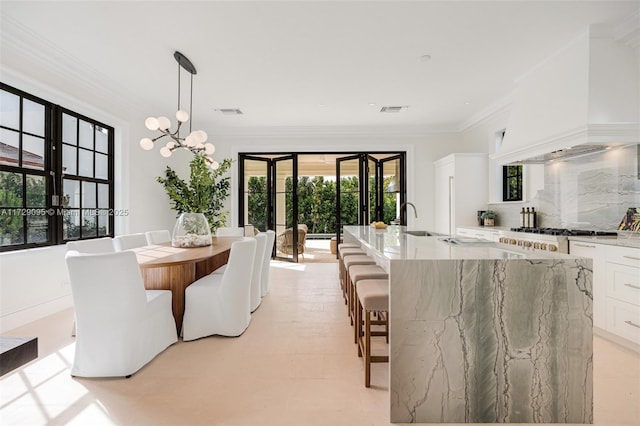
x=195, y=140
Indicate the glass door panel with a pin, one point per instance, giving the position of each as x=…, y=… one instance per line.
x=392, y=188
x=348, y=192
x=289, y=242
x=256, y=193
x=373, y=184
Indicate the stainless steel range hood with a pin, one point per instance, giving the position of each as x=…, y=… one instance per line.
x=580, y=101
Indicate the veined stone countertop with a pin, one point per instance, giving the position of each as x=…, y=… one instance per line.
x=394, y=244
x=483, y=334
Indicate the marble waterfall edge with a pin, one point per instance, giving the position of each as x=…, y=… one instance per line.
x=491, y=341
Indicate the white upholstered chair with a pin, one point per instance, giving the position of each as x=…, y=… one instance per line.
x=256, y=281
x=221, y=303
x=96, y=245
x=230, y=232
x=158, y=237
x=129, y=241
x=120, y=325
x=266, y=263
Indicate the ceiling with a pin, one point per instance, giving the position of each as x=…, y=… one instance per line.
x=297, y=64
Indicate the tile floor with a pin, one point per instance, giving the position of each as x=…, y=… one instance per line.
x=295, y=365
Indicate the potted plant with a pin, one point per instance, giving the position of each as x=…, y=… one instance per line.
x=489, y=217
x=205, y=193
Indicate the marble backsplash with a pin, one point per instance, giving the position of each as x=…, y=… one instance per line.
x=590, y=192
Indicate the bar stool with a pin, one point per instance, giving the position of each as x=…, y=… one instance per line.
x=358, y=273
x=372, y=296
x=349, y=261
x=347, y=251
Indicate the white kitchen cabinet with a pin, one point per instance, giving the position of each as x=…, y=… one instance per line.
x=616, y=288
x=623, y=292
x=461, y=182
x=485, y=234
x=596, y=252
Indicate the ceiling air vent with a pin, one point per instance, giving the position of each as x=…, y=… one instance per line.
x=393, y=108
x=230, y=111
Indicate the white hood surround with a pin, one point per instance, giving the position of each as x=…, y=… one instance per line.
x=584, y=97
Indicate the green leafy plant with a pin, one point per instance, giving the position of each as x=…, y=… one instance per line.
x=205, y=192
x=489, y=214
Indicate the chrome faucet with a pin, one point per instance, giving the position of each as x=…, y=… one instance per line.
x=404, y=206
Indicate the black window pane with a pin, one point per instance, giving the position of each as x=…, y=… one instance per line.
x=33, y=117
x=69, y=129
x=9, y=110
x=10, y=189
x=32, y=152
x=71, y=224
x=85, y=162
x=71, y=193
x=102, y=140
x=9, y=147
x=11, y=227
x=89, y=195
x=103, y=223
x=69, y=160
x=36, y=191
x=86, y=135
x=37, y=227
x=89, y=223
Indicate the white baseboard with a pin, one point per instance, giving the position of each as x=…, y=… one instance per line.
x=25, y=316
x=617, y=339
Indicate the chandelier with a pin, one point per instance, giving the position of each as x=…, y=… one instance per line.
x=195, y=141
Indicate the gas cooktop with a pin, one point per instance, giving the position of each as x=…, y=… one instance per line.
x=565, y=232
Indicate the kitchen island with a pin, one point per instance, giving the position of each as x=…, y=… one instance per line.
x=482, y=332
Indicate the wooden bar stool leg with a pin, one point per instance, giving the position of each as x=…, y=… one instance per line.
x=367, y=349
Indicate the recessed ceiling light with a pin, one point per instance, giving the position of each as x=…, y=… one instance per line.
x=322, y=105
x=425, y=58
x=467, y=102
x=372, y=104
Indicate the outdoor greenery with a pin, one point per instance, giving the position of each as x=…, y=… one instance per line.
x=205, y=192
x=316, y=202
x=11, y=219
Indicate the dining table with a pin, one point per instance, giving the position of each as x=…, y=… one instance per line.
x=165, y=267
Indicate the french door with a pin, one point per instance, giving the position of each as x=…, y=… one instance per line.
x=268, y=201
x=370, y=187
x=319, y=193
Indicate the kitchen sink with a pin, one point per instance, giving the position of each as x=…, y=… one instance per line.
x=421, y=233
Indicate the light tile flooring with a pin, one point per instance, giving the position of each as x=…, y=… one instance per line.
x=295, y=365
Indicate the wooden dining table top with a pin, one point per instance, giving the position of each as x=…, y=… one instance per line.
x=161, y=255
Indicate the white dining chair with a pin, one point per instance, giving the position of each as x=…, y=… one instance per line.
x=129, y=241
x=95, y=245
x=221, y=303
x=266, y=262
x=120, y=325
x=256, y=281
x=230, y=232
x=158, y=237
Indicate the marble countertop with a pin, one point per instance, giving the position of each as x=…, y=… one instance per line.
x=393, y=244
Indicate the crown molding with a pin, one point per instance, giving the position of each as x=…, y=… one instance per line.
x=500, y=106
x=22, y=44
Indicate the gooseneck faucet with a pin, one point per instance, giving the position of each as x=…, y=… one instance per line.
x=404, y=206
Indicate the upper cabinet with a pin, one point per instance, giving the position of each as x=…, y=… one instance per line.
x=461, y=183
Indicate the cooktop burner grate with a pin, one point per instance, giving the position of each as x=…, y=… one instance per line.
x=564, y=232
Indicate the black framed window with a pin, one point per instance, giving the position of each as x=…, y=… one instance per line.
x=512, y=183
x=56, y=173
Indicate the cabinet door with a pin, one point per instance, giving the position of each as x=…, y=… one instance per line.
x=443, y=198
x=595, y=252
